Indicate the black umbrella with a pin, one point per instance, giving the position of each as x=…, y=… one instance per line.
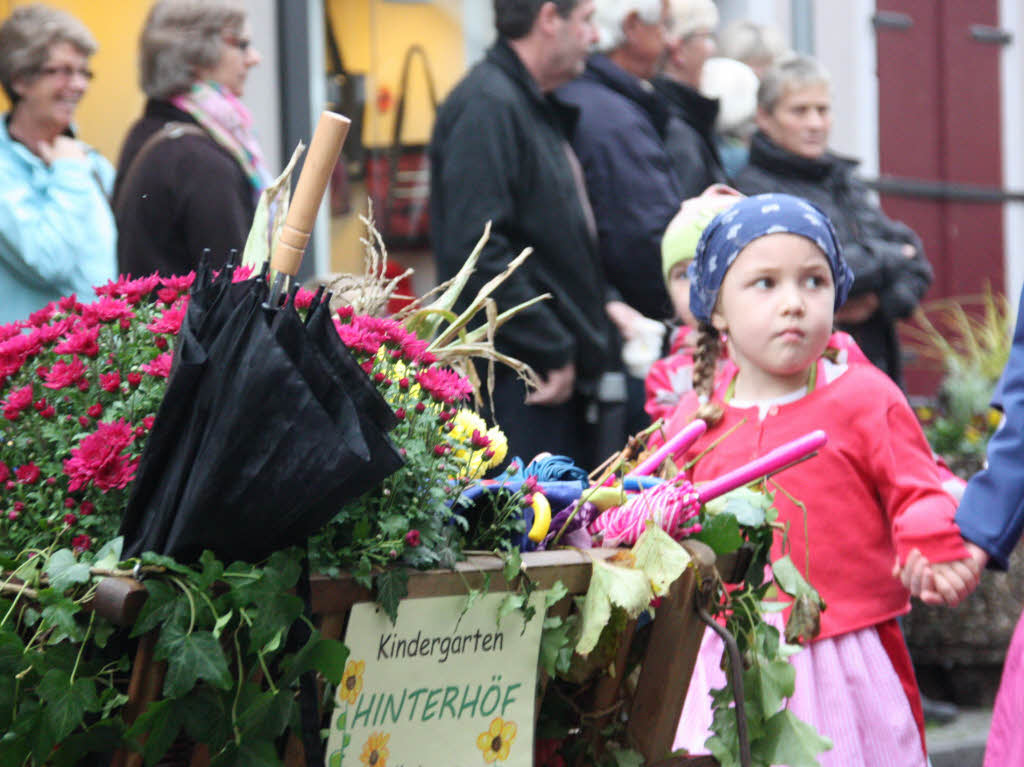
x=268, y=426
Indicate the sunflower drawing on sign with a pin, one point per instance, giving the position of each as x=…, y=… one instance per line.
x=352, y=681
x=496, y=743
x=375, y=750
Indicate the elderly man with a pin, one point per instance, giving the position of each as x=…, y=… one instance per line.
x=620, y=142
x=690, y=139
x=789, y=153
x=500, y=153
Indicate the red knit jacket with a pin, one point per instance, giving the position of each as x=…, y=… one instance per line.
x=871, y=493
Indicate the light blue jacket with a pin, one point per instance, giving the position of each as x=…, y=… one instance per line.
x=57, y=232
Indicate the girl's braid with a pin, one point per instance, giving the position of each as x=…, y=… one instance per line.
x=705, y=365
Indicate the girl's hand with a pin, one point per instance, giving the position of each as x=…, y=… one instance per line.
x=943, y=583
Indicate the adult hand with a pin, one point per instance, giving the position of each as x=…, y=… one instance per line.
x=858, y=308
x=555, y=388
x=625, y=317
x=62, y=148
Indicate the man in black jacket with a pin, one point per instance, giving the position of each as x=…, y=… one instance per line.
x=789, y=153
x=500, y=153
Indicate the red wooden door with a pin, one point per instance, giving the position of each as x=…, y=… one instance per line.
x=939, y=141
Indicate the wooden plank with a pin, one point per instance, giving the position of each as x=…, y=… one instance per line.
x=570, y=566
x=669, y=661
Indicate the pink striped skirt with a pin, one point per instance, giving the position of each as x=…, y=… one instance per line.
x=847, y=688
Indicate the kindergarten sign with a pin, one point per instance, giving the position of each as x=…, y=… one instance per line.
x=434, y=688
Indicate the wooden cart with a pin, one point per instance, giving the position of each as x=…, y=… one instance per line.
x=654, y=706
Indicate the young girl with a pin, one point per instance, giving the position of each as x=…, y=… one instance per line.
x=672, y=376
x=768, y=274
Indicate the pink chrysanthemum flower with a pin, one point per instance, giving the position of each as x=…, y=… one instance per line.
x=99, y=459
x=160, y=366
x=64, y=373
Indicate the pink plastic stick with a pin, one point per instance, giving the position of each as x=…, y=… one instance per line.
x=763, y=466
x=676, y=444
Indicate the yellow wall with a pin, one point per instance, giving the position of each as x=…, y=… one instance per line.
x=373, y=37
x=114, y=100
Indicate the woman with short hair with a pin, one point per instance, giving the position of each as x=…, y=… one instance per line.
x=191, y=169
x=57, y=233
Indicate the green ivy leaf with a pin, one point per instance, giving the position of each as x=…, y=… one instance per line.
x=7, y=700
x=611, y=584
x=159, y=560
x=12, y=651
x=392, y=587
x=789, y=741
x=277, y=612
x=721, y=532
x=555, y=594
x=59, y=614
x=789, y=578
x=205, y=717
x=210, y=572
x=555, y=646
x=748, y=506
x=65, y=571
x=191, y=657
x=101, y=738
x=66, y=701
x=511, y=602
x=160, y=723
x=513, y=564
x=328, y=657
x=769, y=682
x=660, y=557
x=165, y=606
x=222, y=622
x=109, y=554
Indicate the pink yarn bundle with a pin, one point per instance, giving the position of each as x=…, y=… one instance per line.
x=670, y=505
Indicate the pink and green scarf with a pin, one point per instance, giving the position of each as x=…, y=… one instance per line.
x=220, y=113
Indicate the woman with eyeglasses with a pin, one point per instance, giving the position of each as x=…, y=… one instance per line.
x=57, y=233
x=191, y=169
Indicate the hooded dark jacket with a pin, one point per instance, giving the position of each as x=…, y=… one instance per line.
x=690, y=136
x=872, y=243
x=500, y=153
x=621, y=143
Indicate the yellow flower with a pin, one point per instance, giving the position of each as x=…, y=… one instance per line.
x=972, y=435
x=375, y=751
x=474, y=463
x=994, y=417
x=497, y=741
x=352, y=681
x=925, y=413
x=464, y=424
x=499, y=445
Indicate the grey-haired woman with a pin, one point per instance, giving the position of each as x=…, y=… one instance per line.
x=191, y=168
x=57, y=233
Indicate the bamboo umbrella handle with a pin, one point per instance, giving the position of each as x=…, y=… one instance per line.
x=309, y=191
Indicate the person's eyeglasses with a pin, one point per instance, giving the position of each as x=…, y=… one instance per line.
x=243, y=44
x=66, y=72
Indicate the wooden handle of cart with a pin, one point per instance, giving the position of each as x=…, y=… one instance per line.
x=309, y=191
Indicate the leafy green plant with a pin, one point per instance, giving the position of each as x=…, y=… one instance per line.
x=969, y=340
x=223, y=632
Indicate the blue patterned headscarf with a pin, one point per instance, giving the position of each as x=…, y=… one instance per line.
x=732, y=230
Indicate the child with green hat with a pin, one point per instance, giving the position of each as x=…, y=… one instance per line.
x=672, y=376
